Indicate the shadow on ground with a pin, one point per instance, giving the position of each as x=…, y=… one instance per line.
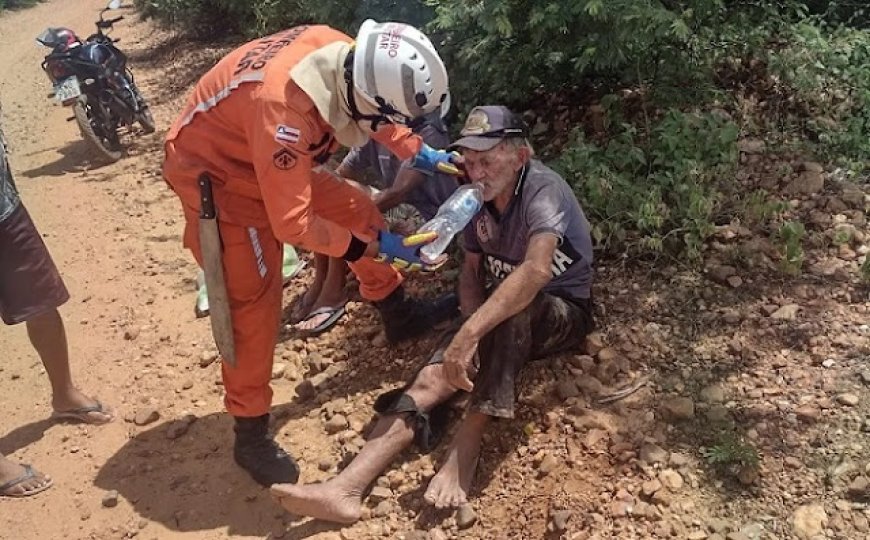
x=76, y=157
x=190, y=483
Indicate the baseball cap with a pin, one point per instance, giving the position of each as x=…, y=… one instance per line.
x=488, y=125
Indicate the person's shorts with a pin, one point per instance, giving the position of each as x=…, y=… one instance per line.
x=30, y=284
x=549, y=325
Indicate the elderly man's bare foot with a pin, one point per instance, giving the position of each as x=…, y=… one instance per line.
x=21, y=481
x=326, y=501
x=450, y=487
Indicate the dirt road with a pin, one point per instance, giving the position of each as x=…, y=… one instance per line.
x=114, y=234
x=761, y=363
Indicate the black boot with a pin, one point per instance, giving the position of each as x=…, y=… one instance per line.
x=406, y=318
x=257, y=453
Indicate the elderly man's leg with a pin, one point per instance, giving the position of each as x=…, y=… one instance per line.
x=340, y=498
x=547, y=326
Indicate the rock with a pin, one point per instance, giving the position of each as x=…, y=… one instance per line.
x=589, y=385
x=809, y=520
x=652, y=453
x=380, y=493
x=859, y=489
x=621, y=508
x=713, y=394
x=548, y=464
x=808, y=413
x=305, y=389
x=324, y=464
x=787, y=312
x=566, y=390
x=177, y=428
x=848, y=399
x=131, y=333
x=678, y=408
x=559, y=519
x=717, y=413
x=335, y=424
x=607, y=354
x=721, y=273
x=853, y=196
x=678, y=460
x=747, y=475
x=671, y=479
x=751, y=146
x=812, y=166
x=110, y=499
x=465, y=516
x=865, y=376
x=146, y=416
x=807, y=183
x=649, y=487
x=380, y=340
x=437, y=534
x=278, y=369
x=593, y=344
x=734, y=281
x=207, y=358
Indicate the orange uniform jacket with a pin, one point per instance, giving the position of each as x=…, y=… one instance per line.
x=261, y=137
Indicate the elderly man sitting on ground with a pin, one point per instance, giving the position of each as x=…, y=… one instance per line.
x=525, y=290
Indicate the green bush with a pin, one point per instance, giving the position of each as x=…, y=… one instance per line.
x=506, y=50
x=207, y=18
x=655, y=191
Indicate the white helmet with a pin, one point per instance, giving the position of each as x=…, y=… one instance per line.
x=397, y=70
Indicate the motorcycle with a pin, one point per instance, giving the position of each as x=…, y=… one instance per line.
x=93, y=78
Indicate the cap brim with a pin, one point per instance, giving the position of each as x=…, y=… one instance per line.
x=480, y=144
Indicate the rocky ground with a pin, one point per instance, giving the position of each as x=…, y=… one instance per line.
x=748, y=417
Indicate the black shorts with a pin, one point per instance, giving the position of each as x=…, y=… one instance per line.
x=549, y=325
x=29, y=282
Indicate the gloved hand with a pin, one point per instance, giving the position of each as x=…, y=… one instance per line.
x=403, y=253
x=429, y=160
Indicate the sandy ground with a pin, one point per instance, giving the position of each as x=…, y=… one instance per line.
x=781, y=363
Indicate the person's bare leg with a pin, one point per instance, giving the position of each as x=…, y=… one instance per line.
x=450, y=487
x=47, y=334
x=331, y=292
x=304, y=305
x=339, y=499
x=9, y=471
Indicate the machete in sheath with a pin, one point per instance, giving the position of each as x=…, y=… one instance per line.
x=212, y=265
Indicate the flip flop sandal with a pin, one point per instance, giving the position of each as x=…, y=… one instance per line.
x=300, y=266
x=335, y=313
x=82, y=414
x=29, y=474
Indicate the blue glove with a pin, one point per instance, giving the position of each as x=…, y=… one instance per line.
x=429, y=160
x=403, y=253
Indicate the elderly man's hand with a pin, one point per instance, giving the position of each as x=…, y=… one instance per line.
x=457, y=361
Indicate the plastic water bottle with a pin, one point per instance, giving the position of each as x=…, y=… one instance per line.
x=451, y=218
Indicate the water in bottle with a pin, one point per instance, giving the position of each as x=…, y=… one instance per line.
x=451, y=218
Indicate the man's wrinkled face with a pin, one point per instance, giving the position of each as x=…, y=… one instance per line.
x=496, y=168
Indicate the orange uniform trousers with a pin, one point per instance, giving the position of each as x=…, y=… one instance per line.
x=252, y=259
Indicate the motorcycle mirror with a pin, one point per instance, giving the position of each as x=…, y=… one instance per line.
x=114, y=4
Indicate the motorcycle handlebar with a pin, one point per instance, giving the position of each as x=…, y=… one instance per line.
x=116, y=19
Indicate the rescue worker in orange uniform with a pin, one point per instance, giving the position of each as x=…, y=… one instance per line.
x=262, y=123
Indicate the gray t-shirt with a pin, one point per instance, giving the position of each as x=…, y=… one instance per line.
x=426, y=197
x=543, y=203
x=9, y=200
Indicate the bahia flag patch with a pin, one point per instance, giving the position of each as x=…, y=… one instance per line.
x=287, y=134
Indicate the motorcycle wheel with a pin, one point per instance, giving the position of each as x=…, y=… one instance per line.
x=105, y=147
x=146, y=120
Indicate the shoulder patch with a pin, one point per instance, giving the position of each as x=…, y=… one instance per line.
x=287, y=135
x=284, y=159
